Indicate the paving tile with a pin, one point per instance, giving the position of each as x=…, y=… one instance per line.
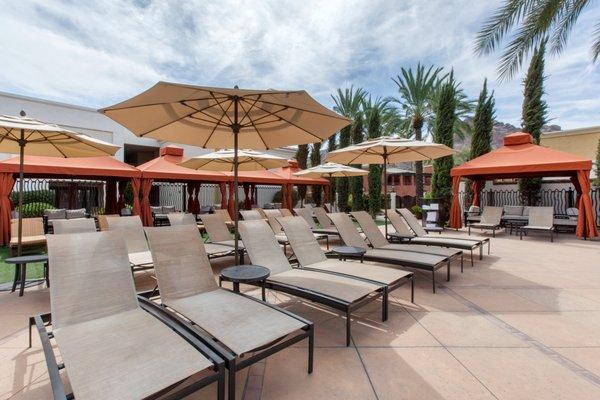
x=558, y=299
x=588, y=358
x=493, y=300
x=515, y=374
x=420, y=373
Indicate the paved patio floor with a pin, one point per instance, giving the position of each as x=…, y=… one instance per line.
x=523, y=323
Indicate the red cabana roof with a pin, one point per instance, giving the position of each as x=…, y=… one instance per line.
x=288, y=174
x=83, y=167
x=165, y=168
x=520, y=157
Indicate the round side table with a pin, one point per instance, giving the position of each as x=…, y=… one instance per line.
x=245, y=274
x=21, y=269
x=345, y=252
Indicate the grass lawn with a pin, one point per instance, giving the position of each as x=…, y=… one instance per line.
x=7, y=271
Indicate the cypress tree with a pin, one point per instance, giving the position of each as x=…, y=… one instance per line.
x=356, y=183
x=343, y=185
x=534, y=114
x=302, y=159
x=443, y=133
x=315, y=159
x=375, y=170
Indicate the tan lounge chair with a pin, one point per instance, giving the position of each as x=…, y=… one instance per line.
x=33, y=237
x=226, y=217
x=541, y=219
x=103, y=222
x=405, y=221
x=322, y=217
x=78, y=225
x=407, y=259
x=491, y=219
x=132, y=231
x=249, y=215
x=219, y=234
x=285, y=212
x=310, y=255
x=306, y=213
x=272, y=217
x=249, y=329
x=112, y=346
x=378, y=240
x=212, y=249
x=338, y=292
x=176, y=219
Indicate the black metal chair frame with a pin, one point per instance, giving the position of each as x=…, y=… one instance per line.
x=485, y=228
x=200, y=344
x=236, y=362
x=527, y=230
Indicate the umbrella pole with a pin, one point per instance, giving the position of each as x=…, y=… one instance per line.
x=385, y=211
x=236, y=131
x=21, y=167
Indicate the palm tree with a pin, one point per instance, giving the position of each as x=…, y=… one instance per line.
x=390, y=120
x=416, y=89
x=529, y=22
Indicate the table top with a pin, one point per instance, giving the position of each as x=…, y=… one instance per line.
x=245, y=273
x=27, y=259
x=348, y=250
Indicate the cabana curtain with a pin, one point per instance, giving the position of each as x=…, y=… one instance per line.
x=6, y=185
x=145, y=213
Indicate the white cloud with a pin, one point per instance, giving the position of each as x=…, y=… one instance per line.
x=97, y=53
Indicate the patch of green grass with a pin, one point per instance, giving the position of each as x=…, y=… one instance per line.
x=7, y=271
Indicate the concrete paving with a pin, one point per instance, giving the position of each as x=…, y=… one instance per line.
x=523, y=323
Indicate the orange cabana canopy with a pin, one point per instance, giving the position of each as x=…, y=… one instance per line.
x=165, y=168
x=520, y=158
x=288, y=174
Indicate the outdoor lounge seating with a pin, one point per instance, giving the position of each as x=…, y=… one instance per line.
x=217, y=230
x=378, y=240
x=339, y=292
x=407, y=259
x=159, y=214
x=51, y=215
x=310, y=256
x=33, y=237
x=491, y=219
x=307, y=214
x=212, y=249
x=285, y=212
x=405, y=220
x=244, y=330
x=79, y=225
x=112, y=345
x=103, y=222
x=272, y=218
x=176, y=219
x=132, y=230
x=249, y=215
x=225, y=215
x=541, y=219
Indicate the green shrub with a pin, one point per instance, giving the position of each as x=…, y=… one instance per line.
x=33, y=196
x=417, y=211
x=36, y=209
x=277, y=197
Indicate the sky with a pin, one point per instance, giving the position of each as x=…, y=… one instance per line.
x=97, y=53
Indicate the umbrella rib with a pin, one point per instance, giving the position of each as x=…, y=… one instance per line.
x=178, y=119
x=309, y=111
x=155, y=104
x=50, y=141
x=202, y=110
x=222, y=109
x=256, y=129
x=270, y=114
x=246, y=112
x=291, y=123
x=217, y=124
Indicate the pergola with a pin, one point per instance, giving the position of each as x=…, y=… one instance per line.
x=97, y=168
x=520, y=158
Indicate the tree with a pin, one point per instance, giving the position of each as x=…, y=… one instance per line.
x=416, y=89
x=347, y=103
x=529, y=23
x=356, y=183
x=483, y=124
x=302, y=158
x=315, y=159
x=443, y=133
x=375, y=170
x=533, y=117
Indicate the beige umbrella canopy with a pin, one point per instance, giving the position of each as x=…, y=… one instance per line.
x=27, y=135
x=219, y=118
x=222, y=160
x=387, y=149
x=332, y=170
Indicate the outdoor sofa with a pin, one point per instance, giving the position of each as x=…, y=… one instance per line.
x=32, y=238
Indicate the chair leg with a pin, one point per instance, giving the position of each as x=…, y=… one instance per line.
x=47, y=274
x=433, y=280
x=262, y=292
x=448, y=272
x=231, y=380
x=311, y=348
x=23, y=278
x=384, y=305
x=17, y=277
x=412, y=289
x=348, y=328
x=462, y=262
x=472, y=262
x=469, y=228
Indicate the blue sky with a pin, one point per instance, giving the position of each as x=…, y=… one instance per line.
x=96, y=53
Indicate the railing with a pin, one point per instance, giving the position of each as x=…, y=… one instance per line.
x=560, y=199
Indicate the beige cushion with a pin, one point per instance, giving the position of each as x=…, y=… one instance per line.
x=372, y=272
x=440, y=251
x=139, y=259
x=129, y=355
x=405, y=257
x=78, y=225
x=240, y=323
x=77, y=213
x=28, y=240
x=132, y=231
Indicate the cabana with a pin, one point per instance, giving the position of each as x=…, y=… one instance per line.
x=165, y=168
x=292, y=180
x=520, y=158
x=96, y=168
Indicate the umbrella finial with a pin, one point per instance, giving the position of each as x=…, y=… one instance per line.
x=22, y=113
x=236, y=87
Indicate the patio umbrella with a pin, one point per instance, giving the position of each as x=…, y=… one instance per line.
x=27, y=135
x=389, y=149
x=223, y=160
x=331, y=170
x=219, y=118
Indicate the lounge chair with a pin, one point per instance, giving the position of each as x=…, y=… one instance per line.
x=338, y=292
x=322, y=218
x=541, y=219
x=249, y=329
x=132, y=230
x=78, y=225
x=32, y=239
x=176, y=219
x=306, y=213
x=405, y=221
x=378, y=240
x=491, y=219
x=407, y=259
x=249, y=215
x=219, y=234
x=212, y=249
x=311, y=256
x=285, y=212
x=226, y=217
x=112, y=345
x=272, y=218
